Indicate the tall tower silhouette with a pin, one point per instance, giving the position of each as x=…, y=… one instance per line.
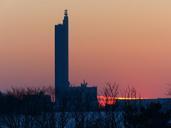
x=61, y=58
x=65, y=95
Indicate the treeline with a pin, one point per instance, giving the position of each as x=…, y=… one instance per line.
x=25, y=101
x=34, y=108
x=27, y=108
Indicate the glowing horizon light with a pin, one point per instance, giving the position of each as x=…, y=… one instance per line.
x=108, y=100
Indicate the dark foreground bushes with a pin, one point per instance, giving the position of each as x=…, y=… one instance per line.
x=151, y=116
x=26, y=108
x=25, y=101
x=33, y=108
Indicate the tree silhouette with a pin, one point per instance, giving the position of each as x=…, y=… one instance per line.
x=27, y=108
x=110, y=92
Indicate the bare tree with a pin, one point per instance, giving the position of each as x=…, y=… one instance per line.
x=131, y=106
x=169, y=90
x=110, y=92
x=129, y=93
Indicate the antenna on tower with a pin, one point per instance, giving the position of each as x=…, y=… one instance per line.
x=66, y=12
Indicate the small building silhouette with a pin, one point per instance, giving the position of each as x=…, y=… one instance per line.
x=66, y=95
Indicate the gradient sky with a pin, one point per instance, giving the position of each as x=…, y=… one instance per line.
x=127, y=41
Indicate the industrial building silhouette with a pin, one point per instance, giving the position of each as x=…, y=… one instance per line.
x=72, y=98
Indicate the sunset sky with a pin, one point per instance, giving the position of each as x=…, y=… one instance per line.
x=127, y=41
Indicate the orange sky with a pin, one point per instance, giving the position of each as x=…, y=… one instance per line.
x=110, y=40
